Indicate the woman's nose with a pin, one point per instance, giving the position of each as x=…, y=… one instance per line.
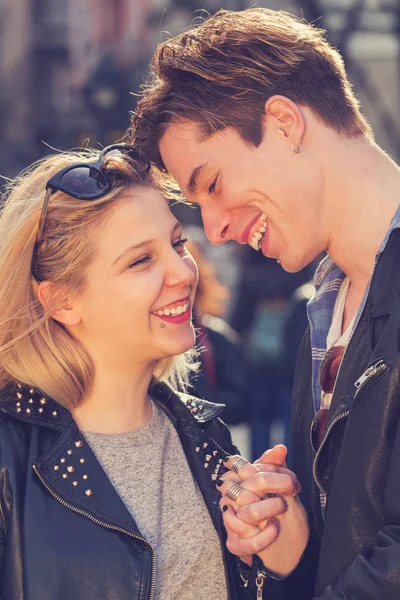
x=182, y=271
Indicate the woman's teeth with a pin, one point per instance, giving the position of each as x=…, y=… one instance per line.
x=173, y=312
x=257, y=232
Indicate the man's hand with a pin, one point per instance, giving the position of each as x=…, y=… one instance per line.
x=276, y=527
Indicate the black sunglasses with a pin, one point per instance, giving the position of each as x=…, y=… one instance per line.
x=86, y=180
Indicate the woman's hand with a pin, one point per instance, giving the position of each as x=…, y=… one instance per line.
x=276, y=527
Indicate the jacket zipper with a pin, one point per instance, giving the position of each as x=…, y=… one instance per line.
x=322, y=491
x=106, y=525
x=373, y=370
x=368, y=374
x=261, y=576
x=224, y=561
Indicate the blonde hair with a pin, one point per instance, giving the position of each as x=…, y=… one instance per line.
x=35, y=349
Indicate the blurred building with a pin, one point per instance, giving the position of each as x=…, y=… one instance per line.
x=67, y=67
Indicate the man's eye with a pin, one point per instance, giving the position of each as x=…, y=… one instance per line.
x=211, y=188
x=140, y=261
x=180, y=244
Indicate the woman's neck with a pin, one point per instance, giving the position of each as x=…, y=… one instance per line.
x=117, y=403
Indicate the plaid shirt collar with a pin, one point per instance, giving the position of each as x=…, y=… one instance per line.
x=327, y=280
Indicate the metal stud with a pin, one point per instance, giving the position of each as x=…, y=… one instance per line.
x=69, y=451
x=214, y=477
x=54, y=413
x=194, y=411
x=28, y=410
x=206, y=465
x=205, y=445
x=82, y=460
x=18, y=404
x=215, y=452
x=65, y=476
x=19, y=385
x=31, y=391
x=43, y=401
x=197, y=448
x=62, y=460
x=85, y=476
x=70, y=469
x=19, y=409
x=75, y=483
x=208, y=457
x=40, y=410
x=30, y=400
x=56, y=467
x=79, y=444
x=19, y=395
x=220, y=461
x=201, y=407
x=88, y=492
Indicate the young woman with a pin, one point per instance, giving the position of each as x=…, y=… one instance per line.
x=107, y=475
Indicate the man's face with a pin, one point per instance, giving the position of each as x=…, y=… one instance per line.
x=267, y=196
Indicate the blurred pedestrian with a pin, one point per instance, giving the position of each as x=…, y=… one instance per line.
x=222, y=377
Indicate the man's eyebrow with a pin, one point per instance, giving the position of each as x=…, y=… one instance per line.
x=139, y=245
x=191, y=186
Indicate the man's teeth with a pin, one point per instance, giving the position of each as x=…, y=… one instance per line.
x=257, y=232
x=173, y=312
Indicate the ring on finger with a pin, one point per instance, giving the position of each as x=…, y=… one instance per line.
x=239, y=464
x=233, y=491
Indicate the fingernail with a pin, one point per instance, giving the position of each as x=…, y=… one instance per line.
x=219, y=481
x=224, y=508
x=227, y=458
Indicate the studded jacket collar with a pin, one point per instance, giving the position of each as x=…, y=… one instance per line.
x=49, y=477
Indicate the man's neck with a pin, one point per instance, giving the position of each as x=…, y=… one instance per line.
x=363, y=193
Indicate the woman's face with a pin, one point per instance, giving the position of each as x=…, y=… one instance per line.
x=137, y=304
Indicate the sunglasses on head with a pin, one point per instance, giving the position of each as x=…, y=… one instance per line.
x=86, y=180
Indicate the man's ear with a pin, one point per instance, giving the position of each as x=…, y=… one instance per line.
x=287, y=118
x=55, y=298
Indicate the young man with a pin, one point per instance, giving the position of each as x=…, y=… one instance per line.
x=252, y=115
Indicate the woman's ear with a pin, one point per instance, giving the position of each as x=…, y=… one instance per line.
x=55, y=298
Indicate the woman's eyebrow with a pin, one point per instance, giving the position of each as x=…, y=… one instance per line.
x=177, y=225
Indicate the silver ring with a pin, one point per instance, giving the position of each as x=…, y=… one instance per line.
x=239, y=464
x=234, y=491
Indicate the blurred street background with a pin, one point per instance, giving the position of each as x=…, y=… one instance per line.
x=69, y=70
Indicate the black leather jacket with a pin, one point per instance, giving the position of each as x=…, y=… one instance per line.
x=64, y=532
x=354, y=554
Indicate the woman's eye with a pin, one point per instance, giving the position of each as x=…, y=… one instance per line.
x=180, y=244
x=211, y=188
x=141, y=261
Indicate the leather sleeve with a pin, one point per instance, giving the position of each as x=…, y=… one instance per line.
x=376, y=573
x=3, y=546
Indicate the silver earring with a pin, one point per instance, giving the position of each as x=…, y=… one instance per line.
x=278, y=261
x=162, y=325
x=298, y=149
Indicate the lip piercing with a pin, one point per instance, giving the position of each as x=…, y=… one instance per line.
x=162, y=325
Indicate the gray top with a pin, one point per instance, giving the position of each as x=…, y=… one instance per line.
x=149, y=470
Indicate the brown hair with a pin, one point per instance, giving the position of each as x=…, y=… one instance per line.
x=221, y=72
x=35, y=349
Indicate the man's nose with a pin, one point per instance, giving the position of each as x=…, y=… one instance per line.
x=216, y=225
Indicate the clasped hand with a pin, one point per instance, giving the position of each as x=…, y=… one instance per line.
x=275, y=528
